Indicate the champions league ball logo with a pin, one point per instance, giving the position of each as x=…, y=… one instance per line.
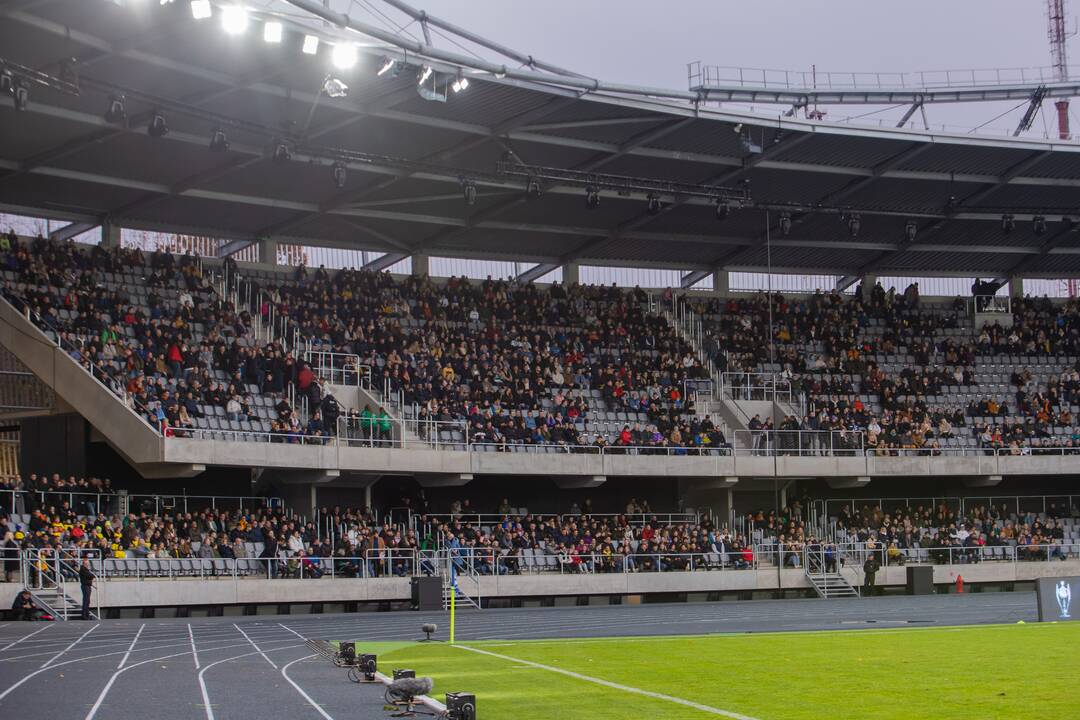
x=1064, y=598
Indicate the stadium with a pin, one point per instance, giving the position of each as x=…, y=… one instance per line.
x=354, y=362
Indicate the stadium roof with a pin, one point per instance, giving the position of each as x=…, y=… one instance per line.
x=408, y=159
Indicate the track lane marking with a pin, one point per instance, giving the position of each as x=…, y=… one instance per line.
x=312, y=703
x=612, y=685
x=131, y=647
x=73, y=644
x=194, y=652
x=24, y=637
x=256, y=647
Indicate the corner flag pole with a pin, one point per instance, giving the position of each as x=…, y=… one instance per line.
x=453, y=599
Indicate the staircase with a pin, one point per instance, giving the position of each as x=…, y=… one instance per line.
x=53, y=583
x=827, y=584
x=454, y=578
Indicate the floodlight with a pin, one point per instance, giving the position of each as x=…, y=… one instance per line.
x=311, y=45
x=854, y=224
x=157, y=127
x=387, y=65
x=785, y=223
x=201, y=9
x=22, y=95
x=116, y=113
x=911, y=229
x=340, y=175
x=592, y=198
x=723, y=209
x=165, y=2
x=460, y=83
x=281, y=152
x=344, y=56
x=1007, y=223
x=1038, y=224
x=335, y=88
x=273, y=31
x=234, y=19
x=7, y=80
x=219, y=142
x=533, y=188
x=425, y=73
x=468, y=190
x=653, y=206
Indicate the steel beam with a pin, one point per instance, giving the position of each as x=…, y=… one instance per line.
x=66, y=233
x=536, y=272
x=693, y=278
x=234, y=246
x=384, y=261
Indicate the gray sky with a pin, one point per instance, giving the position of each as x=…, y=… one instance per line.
x=649, y=43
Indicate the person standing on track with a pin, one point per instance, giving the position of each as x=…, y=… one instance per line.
x=870, y=567
x=86, y=583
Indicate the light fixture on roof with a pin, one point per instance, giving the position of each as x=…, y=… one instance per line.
x=234, y=19
x=21, y=94
x=533, y=189
x=311, y=45
x=116, y=113
x=785, y=223
x=344, y=55
x=460, y=83
x=165, y=2
x=282, y=153
x=158, y=127
x=854, y=224
x=334, y=87
x=723, y=209
x=1038, y=224
x=387, y=65
x=7, y=80
x=1008, y=222
x=468, y=191
x=201, y=9
x=219, y=141
x=340, y=174
x=425, y=73
x=592, y=197
x=911, y=229
x=273, y=31
x=652, y=204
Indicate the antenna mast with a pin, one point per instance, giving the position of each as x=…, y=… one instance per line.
x=1057, y=35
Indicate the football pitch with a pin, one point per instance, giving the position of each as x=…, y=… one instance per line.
x=987, y=671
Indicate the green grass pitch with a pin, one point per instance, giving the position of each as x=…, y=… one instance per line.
x=989, y=671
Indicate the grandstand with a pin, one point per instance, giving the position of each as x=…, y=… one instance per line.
x=302, y=316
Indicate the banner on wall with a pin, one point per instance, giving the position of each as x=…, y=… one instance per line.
x=1055, y=598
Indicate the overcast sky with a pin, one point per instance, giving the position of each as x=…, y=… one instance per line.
x=649, y=43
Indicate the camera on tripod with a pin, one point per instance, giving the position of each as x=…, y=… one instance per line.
x=460, y=706
x=364, y=669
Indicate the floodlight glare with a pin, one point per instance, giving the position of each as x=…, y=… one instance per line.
x=460, y=83
x=335, y=88
x=344, y=56
x=115, y=113
x=425, y=73
x=311, y=45
x=272, y=31
x=387, y=65
x=234, y=19
x=200, y=9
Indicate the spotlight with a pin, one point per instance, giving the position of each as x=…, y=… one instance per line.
x=200, y=9
x=234, y=19
x=469, y=192
x=344, y=56
x=335, y=88
x=854, y=224
x=387, y=65
x=653, y=206
x=723, y=209
x=7, y=81
x=911, y=230
x=533, y=188
x=460, y=83
x=157, y=127
x=785, y=223
x=272, y=31
x=737, y=129
x=311, y=45
x=219, y=142
x=1007, y=223
x=116, y=113
x=282, y=154
x=1038, y=224
x=592, y=198
x=425, y=73
x=22, y=95
x=340, y=175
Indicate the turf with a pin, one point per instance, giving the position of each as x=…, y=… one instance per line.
x=988, y=671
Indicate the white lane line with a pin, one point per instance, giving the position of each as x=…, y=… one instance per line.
x=24, y=637
x=293, y=632
x=112, y=679
x=73, y=644
x=255, y=646
x=300, y=690
x=191, y=636
x=202, y=682
x=612, y=685
x=131, y=647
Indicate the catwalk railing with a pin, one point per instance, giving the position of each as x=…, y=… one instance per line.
x=19, y=502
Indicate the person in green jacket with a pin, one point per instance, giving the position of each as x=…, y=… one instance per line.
x=384, y=423
x=367, y=424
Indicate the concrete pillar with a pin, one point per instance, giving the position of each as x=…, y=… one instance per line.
x=421, y=264
x=720, y=281
x=570, y=273
x=1016, y=287
x=110, y=235
x=268, y=251
x=868, y=282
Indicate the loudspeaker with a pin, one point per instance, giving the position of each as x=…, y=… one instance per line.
x=404, y=673
x=461, y=706
x=920, y=580
x=427, y=593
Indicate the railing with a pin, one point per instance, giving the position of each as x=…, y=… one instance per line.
x=756, y=386
x=801, y=443
x=700, y=75
x=855, y=554
x=46, y=573
x=996, y=304
x=493, y=519
x=394, y=562
x=339, y=368
x=19, y=502
x=1014, y=504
